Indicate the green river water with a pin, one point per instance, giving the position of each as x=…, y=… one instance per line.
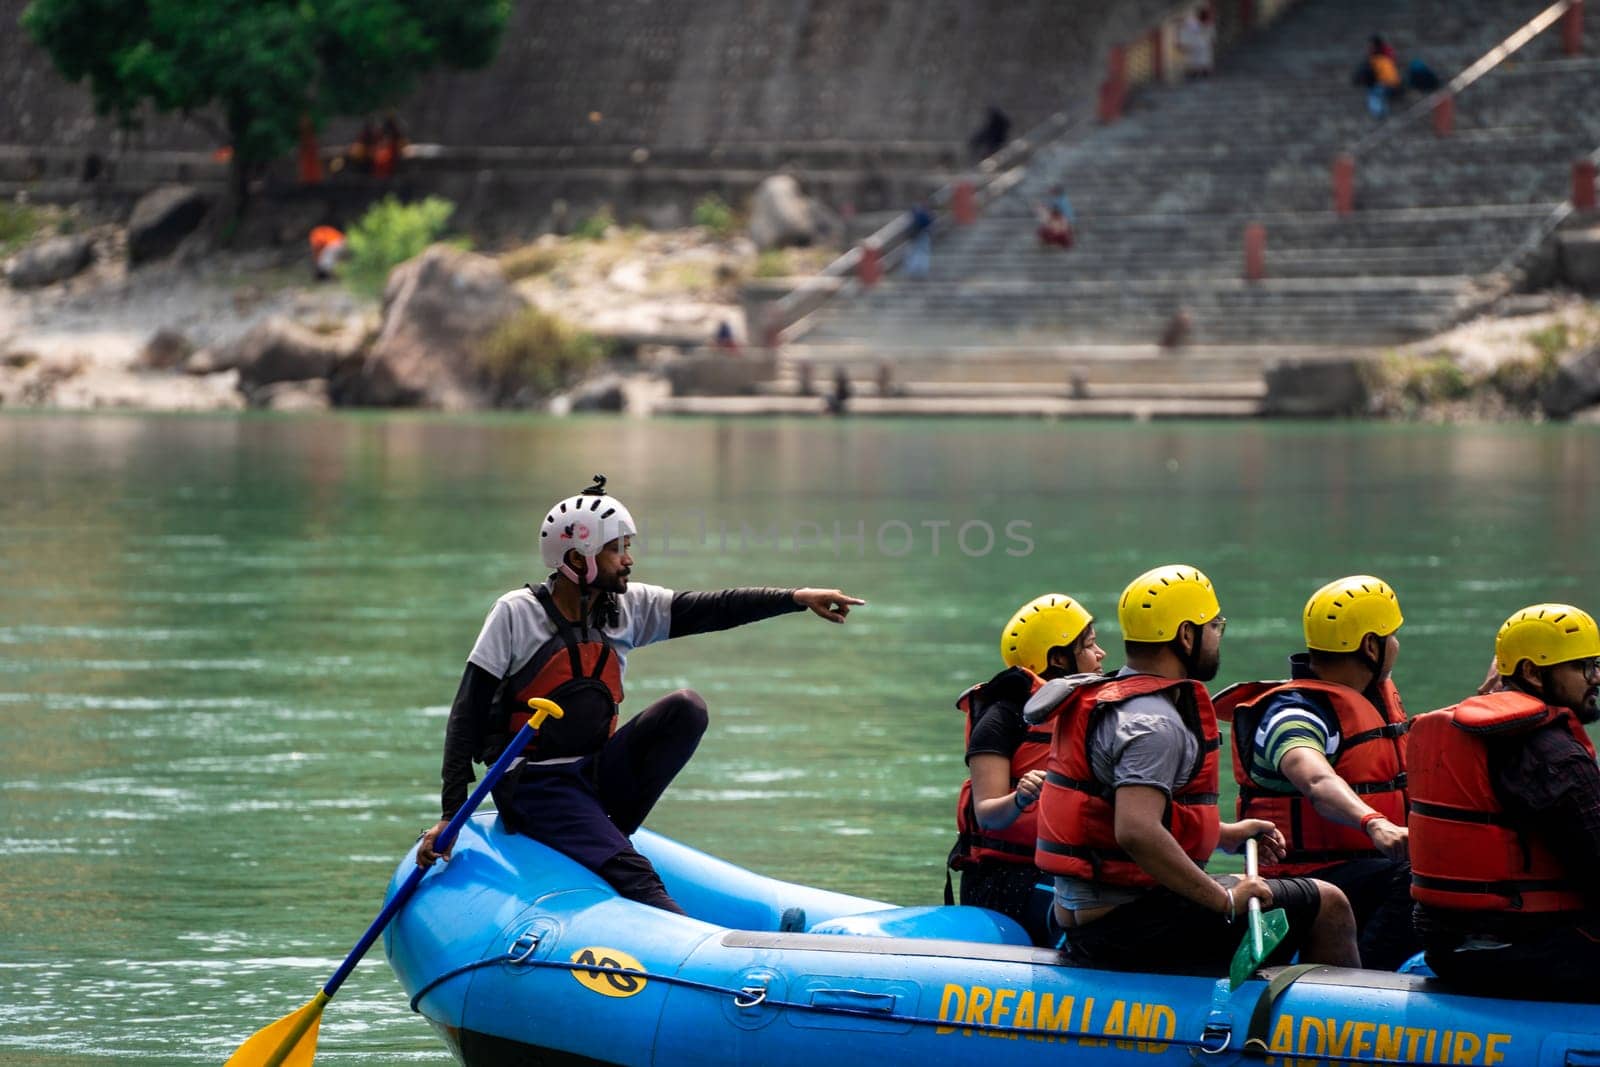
x=227, y=645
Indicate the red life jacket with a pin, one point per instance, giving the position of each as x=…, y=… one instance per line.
x=584, y=677
x=1015, y=843
x=1077, y=832
x=1467, y=854
x=1371, y=758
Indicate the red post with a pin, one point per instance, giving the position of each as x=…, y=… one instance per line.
x=1157, y=58
x=1572, y=29
x=1255, y=252
x=1344, y=183
x=964, y=203
x=869, y=268
x=1583, y=175
x=1115, y=88
x=1444, y=115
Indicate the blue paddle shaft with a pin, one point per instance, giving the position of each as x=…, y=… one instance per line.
x=440, y=844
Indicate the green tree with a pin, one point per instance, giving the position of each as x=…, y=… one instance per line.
x=261, y=66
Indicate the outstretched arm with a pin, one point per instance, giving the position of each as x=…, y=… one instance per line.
x=700, y=613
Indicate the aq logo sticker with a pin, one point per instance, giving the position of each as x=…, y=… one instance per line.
x=609, y=983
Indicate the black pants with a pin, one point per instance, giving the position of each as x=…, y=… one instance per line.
x=1018, y=890
x=588, y=808
x=1169, y=934
x=1380, y=895
x=1560, y=960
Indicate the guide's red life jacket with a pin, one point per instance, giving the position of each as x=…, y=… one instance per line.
x=1014, y=843
x=1371, y=757
x=1077, y=830
x=1467, y=854
x=583, y=676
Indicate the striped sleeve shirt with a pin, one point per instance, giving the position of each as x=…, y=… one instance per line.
x=1290, y=721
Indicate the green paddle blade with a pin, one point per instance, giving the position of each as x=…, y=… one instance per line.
x=1274, y=926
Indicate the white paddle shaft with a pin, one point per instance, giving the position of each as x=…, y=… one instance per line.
x=1252, y=868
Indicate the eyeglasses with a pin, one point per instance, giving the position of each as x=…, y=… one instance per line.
x=1590, y=668
x=1221, y=623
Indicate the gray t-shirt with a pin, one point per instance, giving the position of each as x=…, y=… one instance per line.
x=1141, y=742
x=517, y=626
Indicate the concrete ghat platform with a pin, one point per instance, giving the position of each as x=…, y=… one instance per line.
x=1037, y=406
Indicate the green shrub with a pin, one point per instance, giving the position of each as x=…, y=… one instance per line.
x=1436, y=378
x=538, y=351
x=1553, y=341
x=390, y=233
x=19, y=224
x=595, y=226
x=1520, y=381
x=773, y=264
x=713, y=213
x=530, y=261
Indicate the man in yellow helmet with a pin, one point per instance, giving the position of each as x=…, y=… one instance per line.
x=1049, y=637
x=1505, y=817
x=1323, y=757
x=1128, y=815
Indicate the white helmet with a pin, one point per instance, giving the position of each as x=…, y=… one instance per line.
x=587, y=522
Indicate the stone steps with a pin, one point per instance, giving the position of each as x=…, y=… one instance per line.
x=1163, y=197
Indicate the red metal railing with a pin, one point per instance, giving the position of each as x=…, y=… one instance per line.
x=1441, y=103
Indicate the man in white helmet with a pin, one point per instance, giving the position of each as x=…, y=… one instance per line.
x=583, y=785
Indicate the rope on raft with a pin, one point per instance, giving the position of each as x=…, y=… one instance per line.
x=750, y=997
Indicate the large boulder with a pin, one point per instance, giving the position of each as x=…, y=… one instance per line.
x=1576, y=385
x=1323, y=387
x=1580, y=259
x=437, y=309
x=167, y=349
x=162, y=219
x=780, y=214
x=47, y=262
x=280, y=350
x=292, y=396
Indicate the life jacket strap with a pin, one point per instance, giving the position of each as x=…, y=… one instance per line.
x=1453, y=814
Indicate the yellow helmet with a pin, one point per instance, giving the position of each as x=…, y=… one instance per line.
x=1041, y=624
x=1341, y=613
x=1545, y=634
x=1158, y=601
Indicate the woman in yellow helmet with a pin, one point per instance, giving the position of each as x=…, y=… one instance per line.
x=1049, y=637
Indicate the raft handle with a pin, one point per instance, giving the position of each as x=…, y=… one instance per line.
x=516, y=953
x=751, y=996
x=1210, y=1033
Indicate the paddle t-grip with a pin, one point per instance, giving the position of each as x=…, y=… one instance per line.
x=543, y=709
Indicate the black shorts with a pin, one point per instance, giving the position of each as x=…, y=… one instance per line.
x=1169, y=934
x=1558, y=957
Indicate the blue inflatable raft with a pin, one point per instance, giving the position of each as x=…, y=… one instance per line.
x=517, y=955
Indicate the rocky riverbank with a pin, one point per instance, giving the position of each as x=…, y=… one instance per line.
x=203, y=330
x=594, y=320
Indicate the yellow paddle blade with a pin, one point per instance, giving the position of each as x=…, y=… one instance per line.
x=289, y=1042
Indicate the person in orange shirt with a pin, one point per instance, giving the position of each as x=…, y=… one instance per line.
x=1383, y=77
x=327, y=248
